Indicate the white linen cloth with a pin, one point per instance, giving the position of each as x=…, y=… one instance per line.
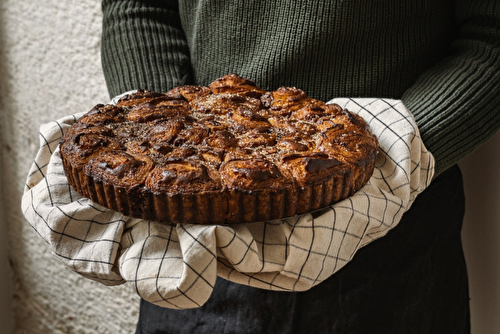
x=176, y=266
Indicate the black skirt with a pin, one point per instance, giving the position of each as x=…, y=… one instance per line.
x=413, y=280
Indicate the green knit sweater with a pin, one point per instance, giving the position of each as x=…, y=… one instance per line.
x=441, y=57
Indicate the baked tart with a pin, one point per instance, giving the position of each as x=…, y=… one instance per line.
x=225, y=153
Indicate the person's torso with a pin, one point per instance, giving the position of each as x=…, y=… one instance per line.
x=328, y=48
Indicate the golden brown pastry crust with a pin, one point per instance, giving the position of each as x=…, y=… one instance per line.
x=225, y=153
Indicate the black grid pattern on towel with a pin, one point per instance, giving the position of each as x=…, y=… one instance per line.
x=176, y=265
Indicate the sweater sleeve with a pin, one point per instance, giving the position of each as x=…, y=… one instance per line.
x=143, y=46
x=456, y=104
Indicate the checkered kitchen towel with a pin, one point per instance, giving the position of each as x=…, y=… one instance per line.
x=176, y=266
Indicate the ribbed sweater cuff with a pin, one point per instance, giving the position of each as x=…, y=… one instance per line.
x=452, y=122
x=143, y=46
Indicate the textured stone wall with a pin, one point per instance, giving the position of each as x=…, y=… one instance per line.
x=50, y=67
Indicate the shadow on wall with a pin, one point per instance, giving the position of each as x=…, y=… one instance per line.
x=481, y=233
x=5, y=272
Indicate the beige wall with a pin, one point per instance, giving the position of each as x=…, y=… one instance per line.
x=50, y=67
x=6, y=322
x=481, y=234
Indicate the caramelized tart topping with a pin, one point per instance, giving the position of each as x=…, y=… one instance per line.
x=229, y=152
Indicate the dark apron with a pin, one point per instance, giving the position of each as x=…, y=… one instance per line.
x=413, y=280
